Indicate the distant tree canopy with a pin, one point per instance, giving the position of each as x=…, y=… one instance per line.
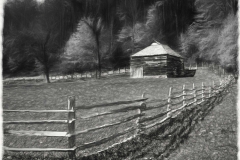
x=35, y=34
x=18, y=18
x=78, y=35
x=213, y=35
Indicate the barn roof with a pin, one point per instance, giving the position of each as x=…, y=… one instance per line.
x=156, y=49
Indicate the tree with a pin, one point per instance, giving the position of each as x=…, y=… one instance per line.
x=129, y=13
x=111, y=23
x=227, y=44
x=19, y=16
x=166, y=20
x=35, y=34
x=212, y=35
x=16, y=46
x=45, y=50
x=79, y=52
x=95, y=24
x=52, y=30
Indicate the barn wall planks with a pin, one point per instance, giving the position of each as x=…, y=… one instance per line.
x=157, y=65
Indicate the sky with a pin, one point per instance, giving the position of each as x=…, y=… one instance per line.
x=40, y=1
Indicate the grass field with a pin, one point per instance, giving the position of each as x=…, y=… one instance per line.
x=215, y=138
x=87, y=92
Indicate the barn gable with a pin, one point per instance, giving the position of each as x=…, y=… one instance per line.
x=156, y=49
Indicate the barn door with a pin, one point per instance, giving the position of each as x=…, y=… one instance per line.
x=136, y=72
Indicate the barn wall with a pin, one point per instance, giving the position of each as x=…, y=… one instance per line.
x=152, y=65
x=136, y=72
x=175, y=66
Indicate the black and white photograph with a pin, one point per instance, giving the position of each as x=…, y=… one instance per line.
x=119, y=80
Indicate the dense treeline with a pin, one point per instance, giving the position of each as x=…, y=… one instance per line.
x=213, y=35
x=78, y=35
x=35, y=34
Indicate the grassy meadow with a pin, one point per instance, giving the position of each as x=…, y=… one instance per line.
x=87, y=92
x=216, y=136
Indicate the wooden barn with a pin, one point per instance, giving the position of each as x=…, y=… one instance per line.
x=157, y=61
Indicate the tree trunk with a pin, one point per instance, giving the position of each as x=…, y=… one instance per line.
x=45, y=60
x=47, y=74
x=99, y=65
x=133, y=38
x=111, y=38
x=98, y=57
x=96, y=73
x=176, y=23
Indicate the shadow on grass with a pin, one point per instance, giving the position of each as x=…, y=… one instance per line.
x=161, y=141
x=157, y=143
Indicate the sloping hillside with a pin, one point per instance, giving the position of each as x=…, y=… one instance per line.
x=216, y=136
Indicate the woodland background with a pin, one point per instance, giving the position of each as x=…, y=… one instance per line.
x=70, y=36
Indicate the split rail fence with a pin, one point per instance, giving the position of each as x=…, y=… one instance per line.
x=173, y=105
x=68, y=76
x=91, y=74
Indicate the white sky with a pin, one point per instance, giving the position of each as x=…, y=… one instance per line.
x=40, y=1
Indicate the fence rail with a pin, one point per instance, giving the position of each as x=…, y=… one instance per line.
x=90, y=74
x=37, y=133
x=36, y=122
x=186, y=97
x=40, y=111
x=118, y=71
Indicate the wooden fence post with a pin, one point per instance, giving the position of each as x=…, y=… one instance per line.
x=183, y=92
x=220, y=83
x=225, y=82
x=230, y=80
x=219, y=71
x=213, y=86
x=143, y=95
x=118, y=70
x=194, y=95
x=203, y=91
x=169, y=101
x=210, y=91
x=139, y=111
x=71, y=126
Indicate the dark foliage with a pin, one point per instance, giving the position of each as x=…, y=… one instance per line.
x=119, y=28
x=213, y=35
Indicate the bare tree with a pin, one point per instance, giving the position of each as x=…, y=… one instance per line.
x=95, y=24
x=45, y=50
